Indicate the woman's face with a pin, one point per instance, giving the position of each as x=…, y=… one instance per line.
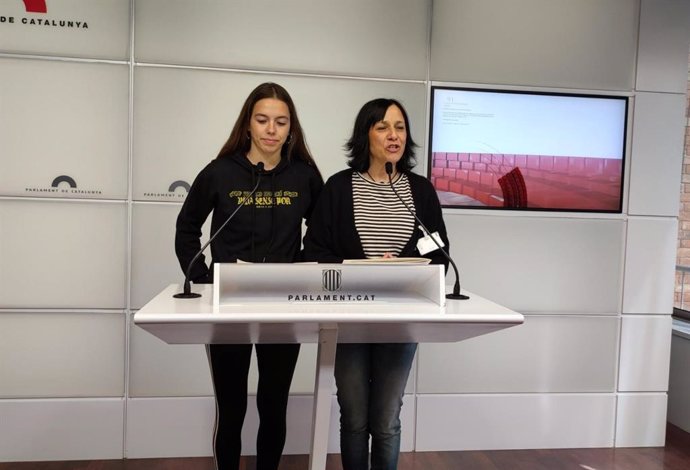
x=387, y=138
x=269, y=126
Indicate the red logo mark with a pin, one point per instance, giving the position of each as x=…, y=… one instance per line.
x=36, y=6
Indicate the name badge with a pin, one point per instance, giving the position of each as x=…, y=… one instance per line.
x=427, y=245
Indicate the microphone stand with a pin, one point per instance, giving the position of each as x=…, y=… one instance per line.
x=456, y=295
x=187, y=289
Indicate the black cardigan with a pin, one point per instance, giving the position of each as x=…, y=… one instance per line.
x=332, y=235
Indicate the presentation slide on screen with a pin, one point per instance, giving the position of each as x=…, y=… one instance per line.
x=528, y=124
x=560, y=152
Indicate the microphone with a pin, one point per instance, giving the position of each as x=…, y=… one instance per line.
x=187, y=290
x=456, y=288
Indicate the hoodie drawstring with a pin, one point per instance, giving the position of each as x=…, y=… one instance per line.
x=273, y=217
x=253, y=223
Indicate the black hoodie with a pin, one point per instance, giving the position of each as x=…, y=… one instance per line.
x=268, y=228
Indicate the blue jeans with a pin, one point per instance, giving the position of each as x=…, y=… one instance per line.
x=371, y=380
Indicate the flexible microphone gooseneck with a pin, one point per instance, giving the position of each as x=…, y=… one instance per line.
x=456, y=288
x=187, y=290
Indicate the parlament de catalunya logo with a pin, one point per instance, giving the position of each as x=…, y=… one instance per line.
x=41, y=7
x=36, y=6
x=63, y=185
x=182, y=185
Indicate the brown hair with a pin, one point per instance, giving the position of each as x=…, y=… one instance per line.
x=294, y=148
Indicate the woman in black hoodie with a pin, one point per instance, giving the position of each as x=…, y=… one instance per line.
x=268, y=229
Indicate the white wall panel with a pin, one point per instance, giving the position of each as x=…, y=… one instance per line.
x=169, y=427
x=539, y=264
x=663, y=46
x=63, y=119
x=75, y=28
x=300, y=410
x=157, y=369
x=641, y=420
x=650, y=265
x=657, y=154
x=545, y=354
x=644, y=356
x=386, y=38
x=679, y=382
x=58, y=254
x=180, y=427
x=305, y=371
x=37, y=430
x=154, y=263
x=62, y=354
x=554, y=43
x=183, y=117
x=535, y=421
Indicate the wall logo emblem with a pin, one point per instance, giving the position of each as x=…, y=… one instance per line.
x=64, y=179
x=179, y=184
x=31, y=19
x=35, y=6
x=63, y=185
x=177, y=189
x=331, y=279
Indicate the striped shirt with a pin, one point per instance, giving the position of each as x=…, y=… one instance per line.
x=383, y=223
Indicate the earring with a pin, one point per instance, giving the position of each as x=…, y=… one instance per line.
x=249, y=136
x=289, y=139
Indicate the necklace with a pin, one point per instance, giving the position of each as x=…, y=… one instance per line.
x=373, y=180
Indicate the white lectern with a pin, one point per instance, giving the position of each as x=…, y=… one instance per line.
x=324, y=304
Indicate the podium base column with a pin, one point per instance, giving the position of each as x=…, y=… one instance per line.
x=323, y=393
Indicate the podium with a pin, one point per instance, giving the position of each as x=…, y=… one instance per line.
x=324, y=304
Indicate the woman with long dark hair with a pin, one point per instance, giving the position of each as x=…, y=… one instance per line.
x=267, y=138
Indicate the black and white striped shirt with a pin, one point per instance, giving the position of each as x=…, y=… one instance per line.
x=383, y=223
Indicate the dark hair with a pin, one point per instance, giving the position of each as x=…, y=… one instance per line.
x=358, y=146
x=294, y=148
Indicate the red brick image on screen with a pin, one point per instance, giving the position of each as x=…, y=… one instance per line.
x=36, y=6
x=505, y=180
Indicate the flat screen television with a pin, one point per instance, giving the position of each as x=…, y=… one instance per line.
x=526, y=150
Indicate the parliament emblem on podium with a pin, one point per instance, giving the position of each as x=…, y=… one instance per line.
x=331, y=279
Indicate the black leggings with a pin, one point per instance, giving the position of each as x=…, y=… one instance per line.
x=229, y=370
